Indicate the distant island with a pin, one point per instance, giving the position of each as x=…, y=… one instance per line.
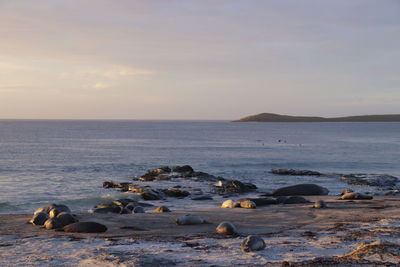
x=271, y=117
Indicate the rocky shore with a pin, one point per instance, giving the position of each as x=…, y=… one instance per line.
x=297, y=225
x=346, y=233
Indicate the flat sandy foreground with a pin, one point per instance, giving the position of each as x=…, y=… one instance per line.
x=295, y=235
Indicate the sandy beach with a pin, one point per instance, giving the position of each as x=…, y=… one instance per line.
x=295, y=235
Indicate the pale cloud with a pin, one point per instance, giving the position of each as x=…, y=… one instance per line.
x=100, y=85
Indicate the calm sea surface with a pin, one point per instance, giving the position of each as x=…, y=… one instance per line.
x=67, y=161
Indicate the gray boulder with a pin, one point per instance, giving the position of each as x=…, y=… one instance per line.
x=301, y=190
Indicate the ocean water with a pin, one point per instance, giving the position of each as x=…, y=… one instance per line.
x=66, y=161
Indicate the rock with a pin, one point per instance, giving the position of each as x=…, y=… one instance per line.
x=48, y=208
x=85, y=227
x=202, y=198
x=189, y=219
x=226, y=228
x=295, y=172
x=186, y=169
x=203, y=176
x=161, y=209
x=228, y=204
x=124, y=201
x=66, y=218
x=53, y=224
x=301, y=190
x=175, y=193
x=151, y=194
x=138, y=209
x=246, y=204
x=295, y=200
x=252, y=243
x=319, y=204
x=130, y=206
x=233, y=186
x=151, y=175
x=122, y=186
x=354, y=195
x=39, y=218
x=380, y=180
x=263, y=201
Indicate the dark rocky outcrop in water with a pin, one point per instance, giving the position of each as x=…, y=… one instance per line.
x=271, y=117
x=224, y=187
x=381, y=180
x=167, y=173
x=295, y=172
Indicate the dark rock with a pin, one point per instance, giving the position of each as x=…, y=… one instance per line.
x=205, y=176
x=264, y=201
x=186, y=169
x=122, y=186
x=85, y=227
x=151, y=175
x=175, y=193
x=146, y=192
x=252, y=243
x=295, y=172
x=381, y=180
x=53, y=223
x=301, y=190
x=66, y=218
x=39, y=218
x=138, y=209
x=295, y=200
x=234, y=186
x=151, y=194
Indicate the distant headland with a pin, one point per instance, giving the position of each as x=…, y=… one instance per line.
x=271, y=117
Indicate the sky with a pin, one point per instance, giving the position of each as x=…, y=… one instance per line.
x=198, y=60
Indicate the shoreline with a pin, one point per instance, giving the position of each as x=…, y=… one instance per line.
x=293, y=233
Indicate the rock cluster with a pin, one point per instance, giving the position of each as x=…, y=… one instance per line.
x=295, y=172
x=121, y=206
x=221, y=187
x=380, y=180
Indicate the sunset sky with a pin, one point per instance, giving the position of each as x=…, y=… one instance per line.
x=96, y=59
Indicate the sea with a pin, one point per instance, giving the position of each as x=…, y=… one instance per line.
x=66, y=161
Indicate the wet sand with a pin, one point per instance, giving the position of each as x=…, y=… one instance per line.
x=280, y=225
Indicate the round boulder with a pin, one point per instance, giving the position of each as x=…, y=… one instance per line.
x=252, y=243
x=53, y=223
x=66, y=218
x=226, y=228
